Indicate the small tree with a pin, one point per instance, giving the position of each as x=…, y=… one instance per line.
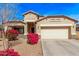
x=7, y=12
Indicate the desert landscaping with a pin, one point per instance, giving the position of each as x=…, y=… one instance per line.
x=23, y=48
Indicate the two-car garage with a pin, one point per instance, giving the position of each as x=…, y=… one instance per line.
x=55, y=32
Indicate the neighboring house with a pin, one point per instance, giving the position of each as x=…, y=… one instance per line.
x=49, y=27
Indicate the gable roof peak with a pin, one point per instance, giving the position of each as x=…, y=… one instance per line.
x=31, y=11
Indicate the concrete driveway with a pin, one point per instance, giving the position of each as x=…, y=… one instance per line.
x=60, y=47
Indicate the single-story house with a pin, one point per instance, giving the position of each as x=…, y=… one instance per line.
x=48, y=27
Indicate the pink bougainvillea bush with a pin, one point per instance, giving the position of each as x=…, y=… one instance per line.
x=12, y=34
x=32, y=38
x=9, y=52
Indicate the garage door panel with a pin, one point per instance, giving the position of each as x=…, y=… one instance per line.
x=54, y=33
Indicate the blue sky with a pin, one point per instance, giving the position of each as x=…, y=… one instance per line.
x=68, y=9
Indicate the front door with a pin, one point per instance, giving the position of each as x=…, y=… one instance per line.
x=31, y=27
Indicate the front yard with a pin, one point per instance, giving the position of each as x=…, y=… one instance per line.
x=25, y=49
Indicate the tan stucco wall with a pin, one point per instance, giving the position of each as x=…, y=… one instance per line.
x=41, y=17
x=30, y=16
x=73, y=27
x=57, y=21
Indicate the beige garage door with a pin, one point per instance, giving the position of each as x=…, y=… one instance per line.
x=54, y=33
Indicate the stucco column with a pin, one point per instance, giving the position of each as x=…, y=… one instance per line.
x=5, y=28
x=75, y=28
x=38, y=29
x=25, y=29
